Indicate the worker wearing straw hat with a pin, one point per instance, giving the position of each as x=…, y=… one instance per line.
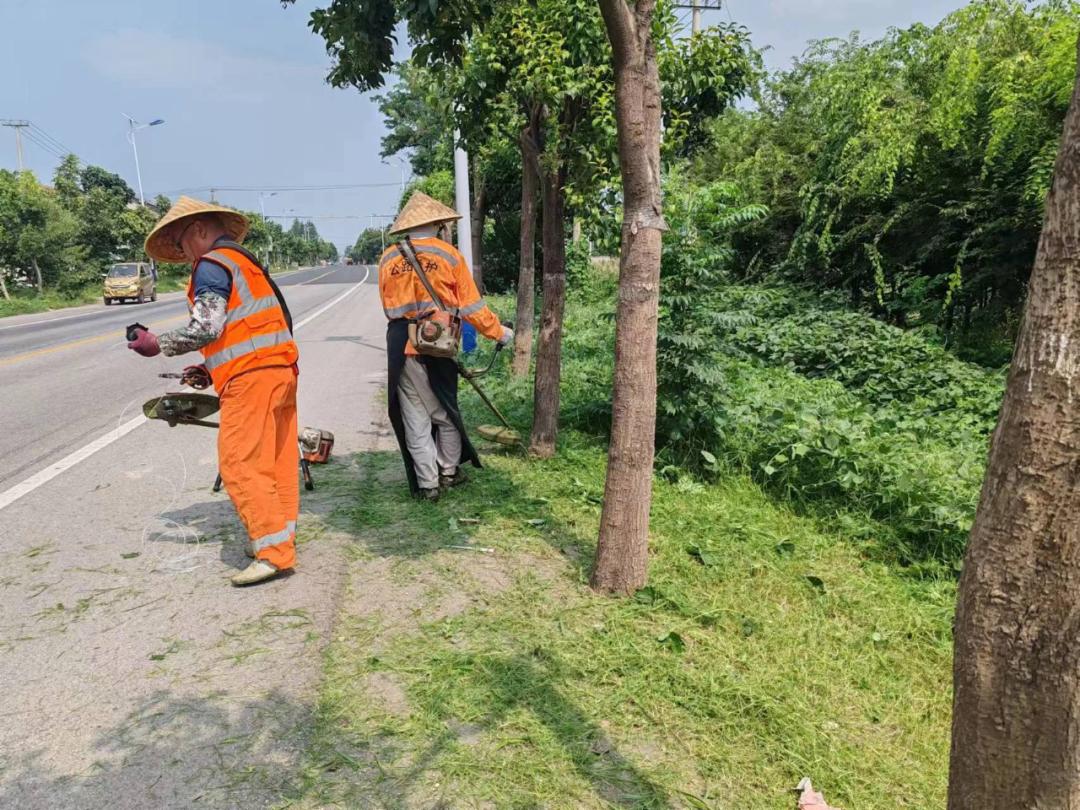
x=422, y=389
x=242, y=326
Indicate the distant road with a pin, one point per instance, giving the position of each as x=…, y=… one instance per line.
x=67, y=376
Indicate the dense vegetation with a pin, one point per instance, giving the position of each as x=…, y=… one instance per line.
x=909, y=173
x=859, y=239
x=57, y=241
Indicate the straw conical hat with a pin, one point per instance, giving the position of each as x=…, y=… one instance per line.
x=160, y=245
x=422, y=210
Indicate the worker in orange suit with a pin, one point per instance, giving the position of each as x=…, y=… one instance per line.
x=421, y=389
x=242, y=326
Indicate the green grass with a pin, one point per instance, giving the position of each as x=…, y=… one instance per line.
x=764, y=649
x=25, y=302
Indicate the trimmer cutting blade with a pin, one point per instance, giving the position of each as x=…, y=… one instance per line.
x=182, y=409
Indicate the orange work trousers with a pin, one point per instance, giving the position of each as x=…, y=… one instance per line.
x=258, y=459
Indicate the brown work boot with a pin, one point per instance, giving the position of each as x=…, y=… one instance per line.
x=459, y=477
x=429, y=494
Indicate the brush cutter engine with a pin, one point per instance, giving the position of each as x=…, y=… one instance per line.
x=315, y=445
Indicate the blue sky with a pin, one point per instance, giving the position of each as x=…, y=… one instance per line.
x=240, y=85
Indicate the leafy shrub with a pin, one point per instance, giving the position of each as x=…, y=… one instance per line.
x=909, y=172
x=885, y=365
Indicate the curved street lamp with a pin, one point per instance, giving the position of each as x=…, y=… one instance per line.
x=133, y=127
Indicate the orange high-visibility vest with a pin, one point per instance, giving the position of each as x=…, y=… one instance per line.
x=256, y=334
x=404, y=295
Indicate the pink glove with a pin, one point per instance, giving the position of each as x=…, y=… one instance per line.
x=145, y=343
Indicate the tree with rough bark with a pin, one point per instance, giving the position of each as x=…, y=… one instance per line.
x=548, y=61
x=1016, y=671
x=622, y=549
x=525, y=317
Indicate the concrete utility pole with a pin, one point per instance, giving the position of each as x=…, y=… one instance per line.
x=270, y=234
x=696, y=7
x=462, y=201
x=18, y=126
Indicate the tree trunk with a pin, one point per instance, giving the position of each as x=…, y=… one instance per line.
x=1016, y=670
x=479, y=217
x=37, y=275
x=3, y=284
x=545, y=427
x=526, y=285
x=623, y=545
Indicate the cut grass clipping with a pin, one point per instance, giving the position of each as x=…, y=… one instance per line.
x=763, y=650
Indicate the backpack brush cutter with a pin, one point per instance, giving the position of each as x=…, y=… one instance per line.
x=500, y=435
x=186, y=408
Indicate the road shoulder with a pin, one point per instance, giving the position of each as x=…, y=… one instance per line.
x=136, y=675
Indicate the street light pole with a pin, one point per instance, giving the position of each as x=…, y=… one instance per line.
x=133, y=127
x=401, y=166
x=269, y=232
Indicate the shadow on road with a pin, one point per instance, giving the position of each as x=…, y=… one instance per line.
x=172, y=751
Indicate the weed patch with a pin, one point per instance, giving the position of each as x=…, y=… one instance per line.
x=764, y=649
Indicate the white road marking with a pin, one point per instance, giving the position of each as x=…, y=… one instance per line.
x=341, y=297
x=41, y=477
x=322, y=275
x=67, y=462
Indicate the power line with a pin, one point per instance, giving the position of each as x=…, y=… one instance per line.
x=338, y=187
x=55, y=141
x=42, y=144
x=328, y=216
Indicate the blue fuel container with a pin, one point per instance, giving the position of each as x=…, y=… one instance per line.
x=468, y=337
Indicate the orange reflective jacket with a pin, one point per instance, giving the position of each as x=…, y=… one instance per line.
x=256, y=334
x=403, y=294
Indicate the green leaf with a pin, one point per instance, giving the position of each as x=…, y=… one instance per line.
x=647, y=595
x=709, y=457
x=703, y=556
x=673, y=641
x=816, y=582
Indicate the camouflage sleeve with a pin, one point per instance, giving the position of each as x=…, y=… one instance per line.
x=206, y=325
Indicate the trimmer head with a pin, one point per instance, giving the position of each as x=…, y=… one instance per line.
x=499, y=434
x=182, y=409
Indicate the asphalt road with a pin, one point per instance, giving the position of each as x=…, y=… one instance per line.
x=68, y=377
x=134, y=675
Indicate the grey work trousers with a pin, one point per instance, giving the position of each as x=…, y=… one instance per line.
x=420, y=410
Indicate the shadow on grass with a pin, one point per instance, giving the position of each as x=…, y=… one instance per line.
x=372, y=502
x=372, y=505
x=499, y=690
x=505, y=685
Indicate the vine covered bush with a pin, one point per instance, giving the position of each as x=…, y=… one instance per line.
x=910, y=173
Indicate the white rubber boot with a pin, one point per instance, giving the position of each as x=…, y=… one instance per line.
x=258, y=571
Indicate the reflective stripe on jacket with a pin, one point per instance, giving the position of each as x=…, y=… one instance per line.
x=256, y=334
x=404, y=296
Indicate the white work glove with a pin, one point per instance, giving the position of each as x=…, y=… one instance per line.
x=507, y=338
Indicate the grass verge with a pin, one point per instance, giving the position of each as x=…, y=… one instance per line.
x=488, y=675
